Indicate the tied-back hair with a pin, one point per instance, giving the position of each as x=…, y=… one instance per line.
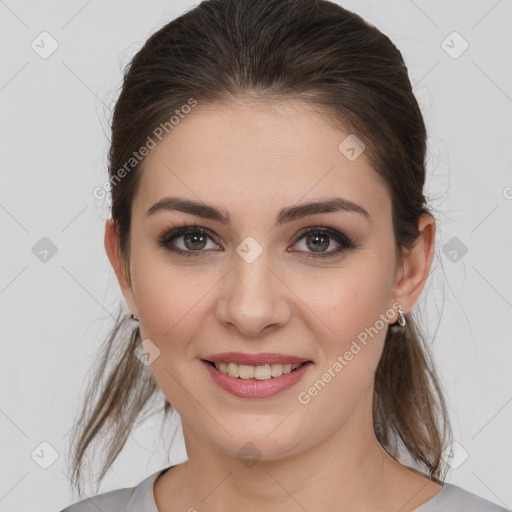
x=310, y=50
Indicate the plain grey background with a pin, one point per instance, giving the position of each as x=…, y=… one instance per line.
x=55, y=314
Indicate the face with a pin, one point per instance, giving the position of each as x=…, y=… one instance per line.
x=261, y=283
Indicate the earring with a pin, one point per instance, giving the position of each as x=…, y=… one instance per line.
x=401, y=318
x=133, y=317
x=401, y=322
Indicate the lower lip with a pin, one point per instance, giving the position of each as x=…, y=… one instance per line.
x=254, y=388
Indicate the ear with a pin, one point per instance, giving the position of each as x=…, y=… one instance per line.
x=412, y=274
x=112, y=246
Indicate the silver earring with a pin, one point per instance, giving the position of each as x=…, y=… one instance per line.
x=401, y=322
x=401, y=318
x=133, y=317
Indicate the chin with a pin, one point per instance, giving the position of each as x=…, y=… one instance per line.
x=254, y=442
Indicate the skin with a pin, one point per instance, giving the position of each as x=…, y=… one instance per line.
x=253, y=158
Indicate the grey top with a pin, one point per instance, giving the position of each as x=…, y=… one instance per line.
x=140, y=498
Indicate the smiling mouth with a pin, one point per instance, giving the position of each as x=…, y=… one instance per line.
x=260, y=372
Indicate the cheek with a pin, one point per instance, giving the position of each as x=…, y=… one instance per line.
x=350, y=301
x=172, y=302
x=173, y=305
x=355, y=308
x=357, y=305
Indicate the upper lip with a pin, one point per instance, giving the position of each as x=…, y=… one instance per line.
x=255, y=359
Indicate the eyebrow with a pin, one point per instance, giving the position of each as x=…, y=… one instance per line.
x=288, y=214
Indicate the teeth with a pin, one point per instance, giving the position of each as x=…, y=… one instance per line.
x=262, y=372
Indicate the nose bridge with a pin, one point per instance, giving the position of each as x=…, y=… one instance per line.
x=253, y=296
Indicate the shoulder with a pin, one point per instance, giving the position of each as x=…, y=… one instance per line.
x=453, y=498
x=113, y=501
x=139, y=498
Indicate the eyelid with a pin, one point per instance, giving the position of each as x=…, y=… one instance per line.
x=332, y=232
x=166, y=235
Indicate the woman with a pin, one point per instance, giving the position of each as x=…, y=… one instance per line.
x=270, y=236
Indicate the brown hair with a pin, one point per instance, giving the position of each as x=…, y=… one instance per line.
x=312, y=50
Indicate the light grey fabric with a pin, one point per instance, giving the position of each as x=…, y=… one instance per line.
x=130, y=499
x=140, y=498
x=453, y=498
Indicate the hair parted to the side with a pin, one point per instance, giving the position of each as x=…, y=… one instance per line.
x=311, y=50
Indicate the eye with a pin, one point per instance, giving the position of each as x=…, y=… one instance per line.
x=194, y=240
x=320, y=238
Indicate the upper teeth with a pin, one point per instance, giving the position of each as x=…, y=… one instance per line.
x=262, y=372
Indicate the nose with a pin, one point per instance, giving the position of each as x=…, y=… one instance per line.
x=254, y=299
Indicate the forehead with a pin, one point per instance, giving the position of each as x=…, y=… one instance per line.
x=254, y=154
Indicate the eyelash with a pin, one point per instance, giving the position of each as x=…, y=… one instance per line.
x=165, y=238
